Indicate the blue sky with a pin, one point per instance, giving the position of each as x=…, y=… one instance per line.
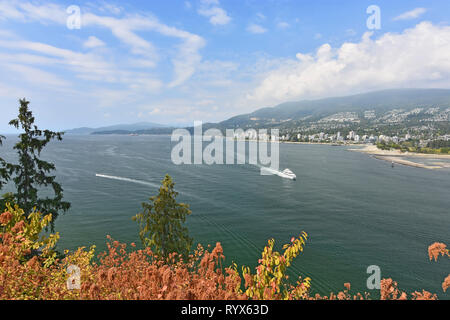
x=174, y=62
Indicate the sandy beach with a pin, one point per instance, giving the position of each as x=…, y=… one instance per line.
x=395, y=156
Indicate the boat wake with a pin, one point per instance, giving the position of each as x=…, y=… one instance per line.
x=267, y=171
x=145, y=183
x=127, y=180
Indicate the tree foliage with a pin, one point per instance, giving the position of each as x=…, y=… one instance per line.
x=438, y=144
x=270, y=281
x=25, y=275
x=31, y=174
x=161, y=223
x=3, y=171
x=434, y=251
x=28, y=230
x=124, y=274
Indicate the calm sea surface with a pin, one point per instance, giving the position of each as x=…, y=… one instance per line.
x=358, y=211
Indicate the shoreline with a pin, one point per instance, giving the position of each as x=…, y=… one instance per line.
x=373, y=150
x=397, y=157
x=320, y=143
x=393, y=156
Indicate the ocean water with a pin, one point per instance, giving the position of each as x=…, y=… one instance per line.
x=358, y=211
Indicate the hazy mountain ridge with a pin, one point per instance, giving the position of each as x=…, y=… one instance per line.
x=160, y=130
x=307, y=111
x=120, y=127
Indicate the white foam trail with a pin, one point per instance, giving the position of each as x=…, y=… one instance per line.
x=127, y=180
x=143, y=183
x=270, y=171
x=265, y=171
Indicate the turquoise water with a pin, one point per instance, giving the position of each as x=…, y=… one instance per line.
x=357, y=210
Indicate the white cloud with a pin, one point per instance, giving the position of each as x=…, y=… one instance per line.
x=261, y=16
x=36, y=76
x=28, y=12
x=110, y=8
x=6, y=34
x=413, y=14
x=93, y=42
x=8, y=10
x=155, y=111
x=8, y=91
x=78, y=62
x=186, y=111
x=216, y=73
x=417, y=57
x=283, y=25
x=84, y=66
x=184, y=62
x=28, y=59
x=212, y=10
x=256, y=29
x=125, y=29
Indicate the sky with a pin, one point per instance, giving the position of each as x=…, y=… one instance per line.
x=97, y=63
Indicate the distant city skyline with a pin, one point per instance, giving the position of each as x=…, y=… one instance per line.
x=173, y=62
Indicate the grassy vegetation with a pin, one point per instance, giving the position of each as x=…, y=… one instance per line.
x=411, y=146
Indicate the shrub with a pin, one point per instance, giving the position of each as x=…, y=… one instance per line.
x=30, y=269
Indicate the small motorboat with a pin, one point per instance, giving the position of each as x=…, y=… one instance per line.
x=287, y=173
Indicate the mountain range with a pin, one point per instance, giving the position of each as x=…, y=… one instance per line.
x=307, y=111
x=119, y=128
x=373, y=107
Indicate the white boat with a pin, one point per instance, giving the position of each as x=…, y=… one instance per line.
x=288, y=174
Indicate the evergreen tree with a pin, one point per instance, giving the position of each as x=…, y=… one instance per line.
x=3, y=171
x=30, y=175
x=4, y=177
x=161, y=222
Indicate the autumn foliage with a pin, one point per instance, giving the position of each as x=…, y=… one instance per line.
x=30, y=268
x=119, y=273
x=434, y=251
